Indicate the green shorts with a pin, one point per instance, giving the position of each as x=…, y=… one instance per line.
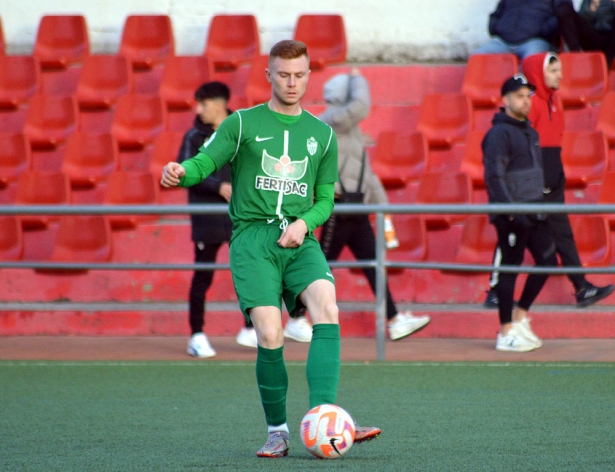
x=264, y=273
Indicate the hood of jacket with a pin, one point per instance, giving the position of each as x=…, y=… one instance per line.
x=534, y=69
x=336, y=89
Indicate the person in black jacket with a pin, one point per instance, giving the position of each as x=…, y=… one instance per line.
x=523, y=27
x=514, y=173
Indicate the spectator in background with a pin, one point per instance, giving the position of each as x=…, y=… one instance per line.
x=348, y=103
x=592, y=28
x=209, y=232
x=547, y=117
x=514, y=173
x=523, y=27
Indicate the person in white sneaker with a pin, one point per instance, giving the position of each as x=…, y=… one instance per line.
x=514, y=173
x=209, y=232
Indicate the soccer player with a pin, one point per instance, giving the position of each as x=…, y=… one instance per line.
x=283, y=170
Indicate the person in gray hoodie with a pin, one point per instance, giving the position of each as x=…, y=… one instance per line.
x=348, y=103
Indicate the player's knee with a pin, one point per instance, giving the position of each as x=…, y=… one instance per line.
x=329, y=314
x=270, y=337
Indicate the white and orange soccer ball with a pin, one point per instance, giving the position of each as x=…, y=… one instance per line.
x=327, y=431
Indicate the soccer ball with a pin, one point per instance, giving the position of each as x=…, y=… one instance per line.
x=327, y=431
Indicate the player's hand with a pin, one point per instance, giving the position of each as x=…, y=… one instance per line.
x=226, y=191
x=294, y=234
x=171, y=173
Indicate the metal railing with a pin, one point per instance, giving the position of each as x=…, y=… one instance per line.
x=380, y=264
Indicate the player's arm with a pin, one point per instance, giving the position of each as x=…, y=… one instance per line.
x=310, y=220
x=188, y=173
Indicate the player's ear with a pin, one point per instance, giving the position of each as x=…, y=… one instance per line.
x=268, y=75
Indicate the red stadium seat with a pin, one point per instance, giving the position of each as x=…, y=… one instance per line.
x=137, y=120
x=325, y=38
x=89, y=158
x=19, y=81
x=478, y=241
x=61, y=40
x=484, y=76
x=584, y=78
x=472, y=159
x=147, y=40
x=104, y=78
x=83, y=238
x=166, y=149
x=11, y=238
x=607, y=195
x=412, y=235
x=182, y=76
x=131, y=188
x=591, y=235
x=232, y=40
x=258, y=89
x=445, y=118
x=606, y=118
x=15, y=156
x=400, y=158
x=585, y=157
x=50, y=120
x=42, y=188
x=2, y=42
x=444, y=188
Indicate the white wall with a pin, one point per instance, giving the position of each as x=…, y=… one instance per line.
x=377, y=30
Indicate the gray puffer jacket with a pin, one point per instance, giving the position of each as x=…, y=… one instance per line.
x=348, y=103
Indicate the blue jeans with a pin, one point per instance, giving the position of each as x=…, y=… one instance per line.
x=497, y=45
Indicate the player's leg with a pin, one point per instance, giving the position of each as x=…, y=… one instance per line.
x=258, y=284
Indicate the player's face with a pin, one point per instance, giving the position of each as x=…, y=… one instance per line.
x=518, y=103
x=288, y=78
x=553, y=75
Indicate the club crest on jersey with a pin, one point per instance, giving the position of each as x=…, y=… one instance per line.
x=282, y=175
x=312, y=145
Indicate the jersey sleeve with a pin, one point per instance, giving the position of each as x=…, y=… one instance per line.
x=224, y=143
x=327, y=171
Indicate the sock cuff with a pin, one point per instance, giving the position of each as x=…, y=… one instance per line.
x=270, y=355
x=326, y=330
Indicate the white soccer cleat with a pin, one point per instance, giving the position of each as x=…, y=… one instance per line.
x=514, y=341
x=247, y=337
x=524, y=329
x=298, y=329
x=405, y=323
x=198, y=346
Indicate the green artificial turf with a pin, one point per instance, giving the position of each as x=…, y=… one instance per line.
x=206, y=416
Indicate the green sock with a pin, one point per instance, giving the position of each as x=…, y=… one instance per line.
x=323, y=364
x=272, y=380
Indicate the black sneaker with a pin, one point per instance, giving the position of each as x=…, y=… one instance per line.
x=491, y=300
x=591, y=294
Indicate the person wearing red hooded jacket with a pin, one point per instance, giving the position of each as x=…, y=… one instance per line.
x=544, y=70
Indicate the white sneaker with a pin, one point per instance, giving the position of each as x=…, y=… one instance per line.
x=298, y=329
x=514, y=341
x=247, y=337
x=390, y=236
x=405, y=323
x=524, y=329
x=199, y=346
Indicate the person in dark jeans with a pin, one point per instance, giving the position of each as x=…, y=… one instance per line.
x=547, y=117
x=514, y=174
x=592, y=28
x=348, y=102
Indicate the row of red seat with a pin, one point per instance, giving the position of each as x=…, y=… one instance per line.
x=147, y=40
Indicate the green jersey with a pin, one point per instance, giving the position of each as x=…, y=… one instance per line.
x=274, y=166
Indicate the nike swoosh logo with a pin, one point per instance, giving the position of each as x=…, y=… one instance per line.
x=259, y=139
x=329, y=274
x=269, y=221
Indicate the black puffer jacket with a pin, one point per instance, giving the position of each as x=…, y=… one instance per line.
x=512, y=160
x=516, y=21
x=209, y=229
